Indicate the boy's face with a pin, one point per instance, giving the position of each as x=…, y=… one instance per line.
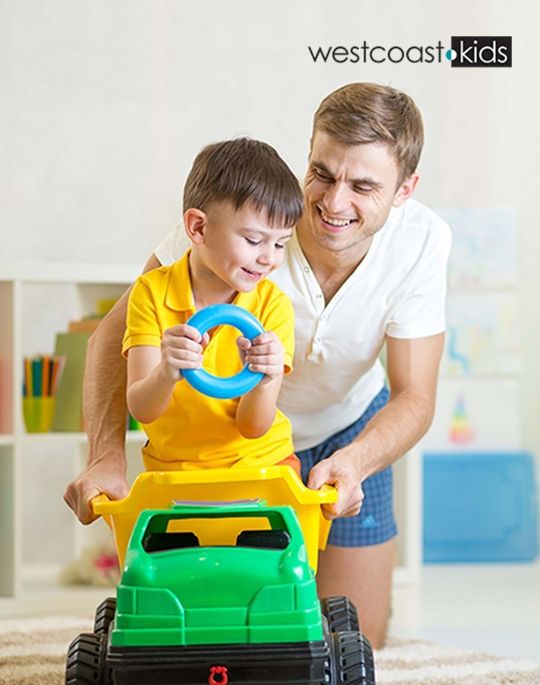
x=240, y=246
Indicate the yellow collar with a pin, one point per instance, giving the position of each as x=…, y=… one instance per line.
x=179, y=293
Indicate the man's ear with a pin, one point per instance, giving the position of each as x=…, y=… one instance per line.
x=195, y=222
x=405, y=190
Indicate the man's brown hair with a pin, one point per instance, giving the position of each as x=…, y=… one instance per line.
x=244, y=171
x=361, y=113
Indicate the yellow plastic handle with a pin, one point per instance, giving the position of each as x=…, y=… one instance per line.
x=102, y=498
x=329, y=488
x=98, y=499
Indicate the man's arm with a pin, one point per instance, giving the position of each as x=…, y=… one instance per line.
x=104, y=408
x=412, y=368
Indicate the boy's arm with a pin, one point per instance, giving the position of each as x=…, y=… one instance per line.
x=153, y=372
x=105, y=411
x=257, y=409
x=149, y=390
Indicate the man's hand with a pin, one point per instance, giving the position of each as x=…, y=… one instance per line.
x=264, y=354
x=340, y=471
x=102, y=476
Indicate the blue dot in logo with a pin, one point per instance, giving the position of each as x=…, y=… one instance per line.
x=450, y=54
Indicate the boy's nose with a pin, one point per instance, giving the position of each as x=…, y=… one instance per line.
x=266, y=256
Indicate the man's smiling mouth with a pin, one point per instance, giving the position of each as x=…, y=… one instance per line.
x=338, y=223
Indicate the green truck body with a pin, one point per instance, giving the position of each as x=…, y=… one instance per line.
x=241, y=613
x=247, y=593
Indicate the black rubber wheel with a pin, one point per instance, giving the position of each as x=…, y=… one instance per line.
x=104, y=616
x=340, y=613
x=86, y=661
x=352, y=659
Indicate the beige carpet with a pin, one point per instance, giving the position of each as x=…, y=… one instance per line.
x=32, y=652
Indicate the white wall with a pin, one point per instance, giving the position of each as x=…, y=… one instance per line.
x=105, y=103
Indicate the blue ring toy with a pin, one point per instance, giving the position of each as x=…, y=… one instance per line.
x=245, y=380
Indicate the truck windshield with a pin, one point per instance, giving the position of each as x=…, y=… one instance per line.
x=179, y=532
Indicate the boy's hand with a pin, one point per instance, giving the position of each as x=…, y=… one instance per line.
x=264, y=354
x=181, y=348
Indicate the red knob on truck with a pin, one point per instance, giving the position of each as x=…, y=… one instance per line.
x=218, y=675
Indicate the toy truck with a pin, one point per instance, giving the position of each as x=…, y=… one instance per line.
x=219, y=590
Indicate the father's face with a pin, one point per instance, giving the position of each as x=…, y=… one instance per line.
x=349, y=191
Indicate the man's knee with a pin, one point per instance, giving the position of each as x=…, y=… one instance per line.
x=375, y=628
x=364, y=575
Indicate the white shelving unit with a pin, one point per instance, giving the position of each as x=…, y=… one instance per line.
x=36, y=301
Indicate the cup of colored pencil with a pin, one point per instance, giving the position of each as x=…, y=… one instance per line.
x=40, y=381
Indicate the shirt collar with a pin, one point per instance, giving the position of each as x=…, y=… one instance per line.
x=179, y=295
x=249, y=300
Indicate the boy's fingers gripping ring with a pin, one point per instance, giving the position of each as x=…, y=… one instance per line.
x=249, y=326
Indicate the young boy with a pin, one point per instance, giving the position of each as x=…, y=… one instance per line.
x=241, y=202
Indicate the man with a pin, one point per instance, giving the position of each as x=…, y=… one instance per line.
x=366, y=268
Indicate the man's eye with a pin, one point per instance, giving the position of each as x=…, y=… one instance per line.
x=362, y=189
x=253, y=242
x=323, y=177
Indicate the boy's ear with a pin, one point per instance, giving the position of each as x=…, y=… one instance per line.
x=195, y=222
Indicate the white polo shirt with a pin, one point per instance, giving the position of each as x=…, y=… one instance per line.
x=398, y=290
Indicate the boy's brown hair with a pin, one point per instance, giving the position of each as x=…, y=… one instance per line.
x=244, y=171
x=361, y=113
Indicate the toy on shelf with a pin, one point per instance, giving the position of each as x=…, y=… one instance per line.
x=41, y=376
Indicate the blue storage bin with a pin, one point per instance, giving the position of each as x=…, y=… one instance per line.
x=479, y=506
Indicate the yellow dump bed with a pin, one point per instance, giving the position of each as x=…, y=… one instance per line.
x=277, y=485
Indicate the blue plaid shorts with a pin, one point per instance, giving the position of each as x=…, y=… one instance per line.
x=375, y=523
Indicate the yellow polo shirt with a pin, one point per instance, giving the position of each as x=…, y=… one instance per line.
x=197, y=431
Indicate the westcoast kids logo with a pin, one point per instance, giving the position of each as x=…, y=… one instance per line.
x=464, y=51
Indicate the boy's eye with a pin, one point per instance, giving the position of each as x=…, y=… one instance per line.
x=253, y=242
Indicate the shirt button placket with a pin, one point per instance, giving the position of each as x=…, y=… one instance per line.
x=319, y=332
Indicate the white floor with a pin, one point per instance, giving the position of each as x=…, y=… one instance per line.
x=488, y=608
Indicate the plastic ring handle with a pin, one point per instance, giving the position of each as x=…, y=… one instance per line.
x=245, y=380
